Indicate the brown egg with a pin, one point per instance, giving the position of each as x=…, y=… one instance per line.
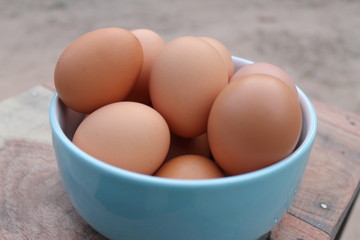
x=184, y=146
x=151, y=44
x=224, y=52
x=254, y=122
x=265, y=68
x=127, y=135
x=185, y=79
x=98, y=68
x=190, y=167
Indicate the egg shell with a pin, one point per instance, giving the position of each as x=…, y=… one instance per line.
x=254, y=122
x=127, y=135
x=224, y=52
x=265, y=68
x=98, y=68
x=190, y=167
x=185, y=146
x=151, y=44
x=185, y=79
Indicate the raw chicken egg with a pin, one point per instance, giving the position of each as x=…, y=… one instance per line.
x=151, y=44
x=224, y=52
x=98, y=68
x=190, y=167
x=254, y=122
x=265, y=68
x=185, y=79
x=127, y=135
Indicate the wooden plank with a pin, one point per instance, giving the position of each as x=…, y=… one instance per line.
x=33, y=201
x=291, y=227
x=26, y=116
x=331, y=178
x=339, y=118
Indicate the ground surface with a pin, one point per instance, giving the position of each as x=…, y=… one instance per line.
x=316, y=41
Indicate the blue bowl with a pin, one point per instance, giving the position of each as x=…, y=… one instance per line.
x=125, y=205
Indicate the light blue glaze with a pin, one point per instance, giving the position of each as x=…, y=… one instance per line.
x=126, y=205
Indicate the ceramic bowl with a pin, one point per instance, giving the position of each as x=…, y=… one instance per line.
x=125, y=205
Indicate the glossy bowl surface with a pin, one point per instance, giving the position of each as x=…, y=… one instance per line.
x=125, y=205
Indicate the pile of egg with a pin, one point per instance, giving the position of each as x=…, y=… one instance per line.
x=176, y=109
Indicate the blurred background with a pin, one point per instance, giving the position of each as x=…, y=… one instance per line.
x=316, y=41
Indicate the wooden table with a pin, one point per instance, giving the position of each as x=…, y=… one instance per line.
x=34, y=205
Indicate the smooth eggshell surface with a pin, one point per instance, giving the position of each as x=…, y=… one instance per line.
x=185, y=79
x=265, y=68
x=254, y=122
x=224, y=52
x=151, y=44
x=190, y=167
x=127, y=135
x=98, y=68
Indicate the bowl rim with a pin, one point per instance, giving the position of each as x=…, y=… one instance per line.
x=184, y=183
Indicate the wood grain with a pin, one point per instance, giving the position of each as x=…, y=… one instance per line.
x=333, y=173
x=339, y=118
x=33, y=202
x=292, y=228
